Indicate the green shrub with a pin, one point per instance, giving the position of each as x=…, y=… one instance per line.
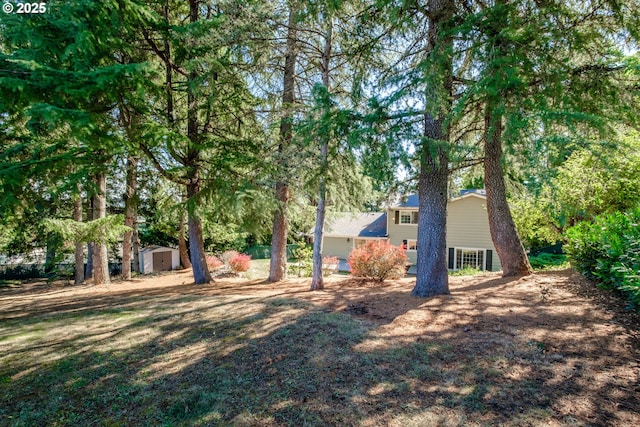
x=27, y=271
x=608, y=250
x=303, y=256
x=379, y=260
x=466, y=271
x=547, y=261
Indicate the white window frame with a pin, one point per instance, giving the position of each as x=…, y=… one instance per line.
x=484, y=257
x=411, y=214
x=411, y=243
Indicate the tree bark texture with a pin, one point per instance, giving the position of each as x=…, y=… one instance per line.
x=79, y=250
x=278, y=262
x=199, y=266
x=100, y=251
x=182, y=243
x=317, y=280
x=88, y=272
x=136, y=247
x=432, y=276
x=503, y=230
x=131, y=213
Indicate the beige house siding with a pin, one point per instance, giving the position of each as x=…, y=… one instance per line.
x=467, y=227
x=337, y=246
x=399, y=232
x=341, y=246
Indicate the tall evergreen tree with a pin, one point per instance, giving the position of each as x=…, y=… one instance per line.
x=209, y=138
x=547, y=66
x=278, y=262
x=60, y=80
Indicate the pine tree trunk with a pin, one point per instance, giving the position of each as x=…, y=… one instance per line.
x=136, y=248
x=199, y=266
x=317, y=281
x=88, y=273
x=432, y=274
x=100, y=251
x=278, y=262
x=504, y=234
x=79, y=250
x=130, y=214
x=182, y=243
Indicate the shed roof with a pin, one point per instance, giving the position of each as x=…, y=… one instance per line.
x=152, y=248
x=361, y=224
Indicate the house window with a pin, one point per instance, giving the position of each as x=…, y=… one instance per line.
x=408, y=217
x=469, y=258
x=410, y=245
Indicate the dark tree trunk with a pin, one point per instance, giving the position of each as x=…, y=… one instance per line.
x=199, y=266
x=182, y=243
x=505, y=237
x=88, y=273
x=200, y=270
x=100, y=252
x=136, y=248
x=79, y=251
x=432, y=277
x=130, y=214
x=432, y=274
x=278, y=263
x=317, y=281
x=53, y=243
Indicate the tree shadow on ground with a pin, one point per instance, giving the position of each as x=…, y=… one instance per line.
x=200, y=359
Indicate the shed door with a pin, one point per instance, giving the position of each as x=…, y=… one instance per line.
x=162, y=261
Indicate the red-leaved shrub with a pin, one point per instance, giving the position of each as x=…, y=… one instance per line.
x=213, y=262
x=239, y=263
x=379, y=260
x=228, y=256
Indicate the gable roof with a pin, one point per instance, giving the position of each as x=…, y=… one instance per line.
x=411, y=201
x=361, y=224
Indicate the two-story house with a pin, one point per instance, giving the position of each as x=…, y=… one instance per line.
x=468, y=238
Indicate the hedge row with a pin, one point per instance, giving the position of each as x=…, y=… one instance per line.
x=608, y=250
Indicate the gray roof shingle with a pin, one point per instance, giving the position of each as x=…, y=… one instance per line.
x=362, y=224
x=411, y=201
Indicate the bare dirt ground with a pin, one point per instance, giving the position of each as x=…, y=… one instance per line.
x=550, y=340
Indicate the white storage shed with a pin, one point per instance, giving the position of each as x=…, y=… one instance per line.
x=158, y=258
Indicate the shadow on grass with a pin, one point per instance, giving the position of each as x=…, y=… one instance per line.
x=207, y=360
